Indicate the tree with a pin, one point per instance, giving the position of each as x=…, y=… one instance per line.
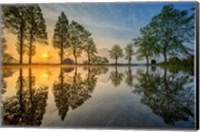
x=77, y=35
x=90, y=49
x=129, y=52
x=36, y=29
x=60, y=39
x=172, y=28
x=145, y=47
x=116, y=52
x=14, y=19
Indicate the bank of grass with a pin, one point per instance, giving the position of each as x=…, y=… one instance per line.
x=177, y=65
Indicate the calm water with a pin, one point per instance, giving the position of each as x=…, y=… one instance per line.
x=109, y=97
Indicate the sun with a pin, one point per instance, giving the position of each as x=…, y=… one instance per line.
x=45, y=55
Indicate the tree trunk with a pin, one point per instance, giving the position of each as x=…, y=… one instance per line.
x=165, y=56
x=21, y=42
x=147, y=59
x=61, y=55
x=88, y=55
x=165, y=52
x=115, y=61
x=129, y=61
x=30, y=48
x=75, y=57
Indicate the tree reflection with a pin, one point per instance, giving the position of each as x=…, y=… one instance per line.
x=6, y=73
x=72, y=91
x=129, y=77
x=116, y=77
x=28, y=105
x=169, y=96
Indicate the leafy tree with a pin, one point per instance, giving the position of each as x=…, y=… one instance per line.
x=172, y=28
x=36, y=29
x=145, y=47
x=60, y=39
x=98, y=60
x=129, y=52
x=90, y=49
x=116, y=52
x=15, y=20
x=77, y=35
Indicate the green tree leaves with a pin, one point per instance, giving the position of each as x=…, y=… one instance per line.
x=116, y=52
x=166, y=34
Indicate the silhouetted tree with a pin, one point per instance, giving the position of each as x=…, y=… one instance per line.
x=90, y=49
x=36, y=29
x=77, y=35
x=15, y=20
x=116, y=52
x=60, y=39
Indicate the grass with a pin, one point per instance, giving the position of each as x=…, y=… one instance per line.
x=184, y=65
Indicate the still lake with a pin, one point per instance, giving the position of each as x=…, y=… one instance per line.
x=98, y=97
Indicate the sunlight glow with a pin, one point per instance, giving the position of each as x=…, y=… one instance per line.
x=45, y=75
x=45, y=55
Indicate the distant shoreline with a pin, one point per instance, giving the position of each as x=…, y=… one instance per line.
x=66, y=65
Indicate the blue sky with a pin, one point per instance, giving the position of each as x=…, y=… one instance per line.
x=109, y=23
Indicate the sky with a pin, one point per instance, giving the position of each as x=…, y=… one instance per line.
x=109, y=23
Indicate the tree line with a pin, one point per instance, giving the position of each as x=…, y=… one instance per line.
x=165, y=35
x=28, y=24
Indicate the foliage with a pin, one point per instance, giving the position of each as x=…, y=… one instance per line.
x=90, y=48
x=171, y=28
x=116, y=52
x=77, y=36
x=129, y=52
x=60, y=39
x=15, y=21
x=36, y=29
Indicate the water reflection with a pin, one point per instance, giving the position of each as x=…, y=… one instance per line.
x=6, y=74
x=28, y=105
x=168, y=95
x=116, y=77
x=129, y=77
x=73, y=91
